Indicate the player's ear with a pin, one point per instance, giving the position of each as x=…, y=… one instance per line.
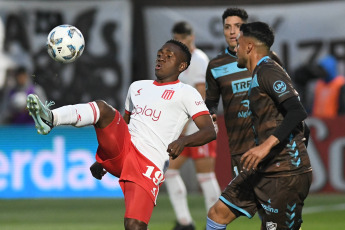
x=250, y=46
x=183, y=66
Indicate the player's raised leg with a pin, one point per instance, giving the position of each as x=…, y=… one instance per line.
x=97, y=113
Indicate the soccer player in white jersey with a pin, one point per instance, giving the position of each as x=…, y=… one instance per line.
x=203, y=156
x=137, y=147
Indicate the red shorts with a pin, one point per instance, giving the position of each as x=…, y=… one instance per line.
x=208, y=150
x=138, y=203
x=119, y=157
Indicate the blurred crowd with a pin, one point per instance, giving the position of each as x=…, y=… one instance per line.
x=320, y=85
x=19, y=83
x=321, y=88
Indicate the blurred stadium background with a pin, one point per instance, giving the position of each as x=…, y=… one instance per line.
x=45, y=181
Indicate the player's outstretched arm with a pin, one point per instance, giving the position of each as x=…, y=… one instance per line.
x=205, y=134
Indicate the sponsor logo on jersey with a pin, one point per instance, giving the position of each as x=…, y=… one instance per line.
x=246, y=113
x=268, y=208
x=241, y=85
x=145, y=111
x=279, y=86
x=271, y=226
x=199, y=102
x=167, y=95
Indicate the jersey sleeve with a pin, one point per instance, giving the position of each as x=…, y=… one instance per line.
x=212, y=89
x=277, y=84
x=194, y=104
x=128, y=103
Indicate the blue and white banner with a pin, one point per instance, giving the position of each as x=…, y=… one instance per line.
x=52, y=166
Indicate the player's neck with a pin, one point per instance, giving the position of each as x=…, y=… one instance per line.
x=167, y=80
x=254, y=61
x=231, y=49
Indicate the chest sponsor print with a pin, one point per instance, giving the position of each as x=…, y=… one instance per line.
x=241, y=85
x=146, y=111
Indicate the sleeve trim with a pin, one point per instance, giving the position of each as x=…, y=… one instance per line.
x=200, y=113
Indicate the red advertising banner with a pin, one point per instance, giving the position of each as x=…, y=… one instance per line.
x=326, y=150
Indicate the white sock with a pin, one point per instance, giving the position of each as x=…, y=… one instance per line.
x=178, y=196
x=210, y=188
x=78, y=115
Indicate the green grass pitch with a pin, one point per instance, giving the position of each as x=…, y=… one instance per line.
x=322, y=211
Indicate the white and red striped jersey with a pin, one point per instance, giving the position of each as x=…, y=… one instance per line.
x=158, y=113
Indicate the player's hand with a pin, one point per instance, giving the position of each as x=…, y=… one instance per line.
x=97, y=170
x=214, y=117
x=175, y=148
x=253, y=157
x=215, y=123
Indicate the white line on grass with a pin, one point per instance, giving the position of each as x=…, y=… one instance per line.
x=324, y=208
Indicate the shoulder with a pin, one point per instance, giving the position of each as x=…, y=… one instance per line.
x=270, y=66
x=188, y=89
x=199, y=54
x=222, y=59
x=141, y=83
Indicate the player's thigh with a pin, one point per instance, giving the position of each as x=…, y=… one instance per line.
x=177, y=163
x=239, y=195
x=282, y=199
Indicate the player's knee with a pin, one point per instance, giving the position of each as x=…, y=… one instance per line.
x=215, y=212
x=107, y=113
x=220, y=213
x=134, y=224
x=104, y=107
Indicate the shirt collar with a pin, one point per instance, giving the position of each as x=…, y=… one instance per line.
x=165, y=83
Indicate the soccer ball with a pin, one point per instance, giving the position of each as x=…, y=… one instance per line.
x=65, y=43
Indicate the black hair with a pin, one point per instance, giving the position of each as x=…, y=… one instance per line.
x=182, y=28
x=241, y=13
x=260, y=31
x=184, y=48
x=20, y=70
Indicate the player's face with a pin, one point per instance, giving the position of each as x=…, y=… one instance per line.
x=231, y=29
x=240, y=50
x=185, y=39
x=169, y=63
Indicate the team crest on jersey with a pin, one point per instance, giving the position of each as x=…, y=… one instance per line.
x=271, y=226
x=279, y=86
x=167, y=95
